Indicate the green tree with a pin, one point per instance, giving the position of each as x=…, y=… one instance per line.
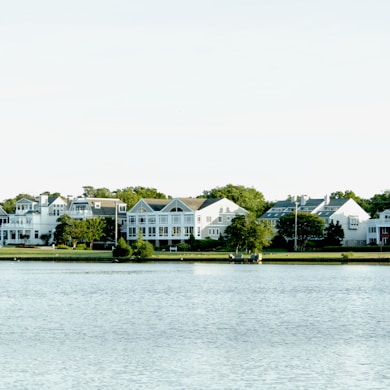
x=63, y=231
x=122, y=249
x=309, y=226
x=142, y=249
x=333, y=234
x=247, y=197
x=379, y=203
x=77, y=231
x=94, y=230
x=91, y=192
x=131, y=195
x=248, y=233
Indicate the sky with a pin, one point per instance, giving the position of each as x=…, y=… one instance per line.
x=289, y=97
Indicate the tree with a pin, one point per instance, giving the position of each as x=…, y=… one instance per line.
x=63, y=232
x=131, y=195
x=248, y=198
x=379, y=203
x=333, y=234
x=122, y=249
x=91, y=192
x=94, y=230
x=142, y=249
x=309, y=226
x=248, y=233
x=77, y=231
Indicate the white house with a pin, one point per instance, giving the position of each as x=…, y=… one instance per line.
x=170, y=221
x=347, y=212
x=32, y=220
x=83, y=208
x=378, y=229
x=3, y=220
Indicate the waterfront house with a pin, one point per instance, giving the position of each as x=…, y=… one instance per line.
x=378, y=229
x=347, y=212
x=34, y=220
x=83, y=208
x=172, y=221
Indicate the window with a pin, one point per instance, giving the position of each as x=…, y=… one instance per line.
x=189, y=219
x=188, y=230
x=132, y=220
x=176, y=219
x=36, y=234
x=220, y=219
x=353, y=223
x=122, y=208
x=163, y=231
x=176, y=231
x=208, y=219
x=152, y=231
x=163, y=219
x=152, y=220
x=132, y=232
x=142, y=220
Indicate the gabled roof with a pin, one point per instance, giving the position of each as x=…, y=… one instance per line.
x=193, y=204
x=316, y=206
x=2, y=212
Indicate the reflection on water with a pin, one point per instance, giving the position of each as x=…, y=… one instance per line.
x=193, y=326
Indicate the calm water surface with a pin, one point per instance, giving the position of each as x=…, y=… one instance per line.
x=193, y=326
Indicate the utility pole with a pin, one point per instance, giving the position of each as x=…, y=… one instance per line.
x=296, y=227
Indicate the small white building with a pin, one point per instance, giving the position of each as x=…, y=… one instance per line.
x=33, y=219
x=170, y=221
x=347, y=212
x=378, y=229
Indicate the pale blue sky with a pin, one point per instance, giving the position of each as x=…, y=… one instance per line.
x=288, y=97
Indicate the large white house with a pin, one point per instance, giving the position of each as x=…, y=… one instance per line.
x=378, y=229
x=170, y=221
x=347, y=212
x=34, y=220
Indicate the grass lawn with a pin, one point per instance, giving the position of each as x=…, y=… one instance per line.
x=47, y=253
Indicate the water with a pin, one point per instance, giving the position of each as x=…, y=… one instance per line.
x=193, y=326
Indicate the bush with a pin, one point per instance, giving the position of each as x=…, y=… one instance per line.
x=62, y=246
x=122, y=249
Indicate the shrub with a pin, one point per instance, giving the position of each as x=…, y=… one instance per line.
x=122, y=249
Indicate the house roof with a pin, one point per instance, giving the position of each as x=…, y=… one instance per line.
x=192, y=203
x=2, y=212
x=106, y=208
x=284, y=207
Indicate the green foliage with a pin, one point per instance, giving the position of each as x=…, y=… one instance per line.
x=94, y=230
x=248, y=198
x=131, y=195
x=309, y=226
x=142, y=249
x=81, y=247
x=122, y=249
x=248, y=233
x=333, y=234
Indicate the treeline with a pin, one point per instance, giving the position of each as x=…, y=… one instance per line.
x=247, y=197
